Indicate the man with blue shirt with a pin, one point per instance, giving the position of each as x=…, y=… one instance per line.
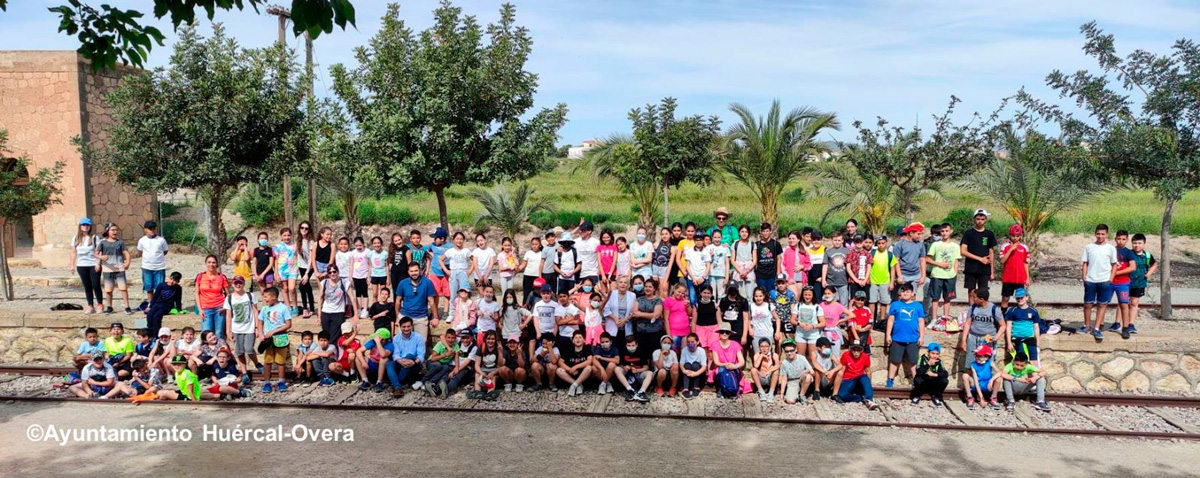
x=416, y=299
x=408, y=355
x=905, y=332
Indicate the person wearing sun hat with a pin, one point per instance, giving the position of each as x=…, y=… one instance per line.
x=729, y=232
x=566, y=263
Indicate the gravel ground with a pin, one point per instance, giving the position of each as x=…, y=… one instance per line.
x=560, y=402
x=322, y=395
x=723, y=407
x=35, y=386
x=1190, y=416
x=457, y=400
x=510, y=401
x=1134, y=418
x=658, y=405
x=924, y=413
x=852, y=412
x=780, y=409
x=1062, y=417
x=997, y=418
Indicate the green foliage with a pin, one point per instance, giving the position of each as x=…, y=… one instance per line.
x=436, y=129
x=963, y=218
x=23, y=196
x=258, y=210
x=508, y=210
x=168, y=209
x=863, y=194
x=570, y=219
x=343, y=163
x=384, y=213
x=182, y=232
x=795, y=195
x=109, y=34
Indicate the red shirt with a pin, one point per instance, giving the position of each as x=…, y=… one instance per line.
x=1014, y=267
x=862, y=318
x=346, y=349
x=855, y=367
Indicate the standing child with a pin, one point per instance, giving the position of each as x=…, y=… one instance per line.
x=240, y=311
x=378, y=259
x=593, y=323
x=1024, y=331
x=507, y=263
x=487, y=313
x=463, y=313
x=1015, y=259
x=114, y=260
x=344, y=260
x=264, y=263
x=624, y=260
x=1126, y=265
x=834, y=274
x=483, y=262
x=783, y=301
x=1099, y=266
x=1139, y=279
x=457, y=261
x=816, y=256
x=287, y=270
x=242, y=259
x=166, y=297
x=360, y=272
x=943, y=258
x=885, y=271
x=274, y=320
x=154, y=258
x=606, y=255
x=764, y=322
x=809, y=320
x=905, y=332
x=718, y=277
x=858, y=265
x=514, y=318
x=985, y=325
x=835, y=316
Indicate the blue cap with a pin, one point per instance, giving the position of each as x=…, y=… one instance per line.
x=547, y=288
x=87, y=221
x=439, y=232
x=934, y=347
x=1019, y=293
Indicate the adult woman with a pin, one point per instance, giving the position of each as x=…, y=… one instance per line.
x=728, y=362
x=648, y=323
x=304, y=262
x=530, y=267
x=334, y=299
x=618, y=309
x=660, y=264
x=704, y=317
x=744, y=260
x=678, y=312
x=210, y=296
x=85, y=263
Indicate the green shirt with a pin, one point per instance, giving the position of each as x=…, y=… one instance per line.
x=1029, y=369
x=881, y=267
x=440, y=348
x=944, y=251
x=118, y=347
x=189, y=383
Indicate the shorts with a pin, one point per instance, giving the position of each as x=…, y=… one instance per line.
x=269, y=278
x=1028, y=345
x=98, y=390
x=975, y=281
x=360, y=287
x=1007, y=289
x=151, y=279
x=215, y=389
x=635, y=378
x=114, y=279
x=441, y=285
x=903, y=352
x=243, y=344
x=880, y=294
x=1097, y=292
x=1122, y=292
x=657, y=271
x=275, y=355
x=942, y=289
x=288, y=274
x=1135, y=292
x=379, y=280
x=810, y=337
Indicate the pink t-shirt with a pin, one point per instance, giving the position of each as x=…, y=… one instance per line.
x=607, y=255
x=727, y=355
x=833, y=313
x=677, y=316
x=794, y=259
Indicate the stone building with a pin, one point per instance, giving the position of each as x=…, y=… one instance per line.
x=46, y=99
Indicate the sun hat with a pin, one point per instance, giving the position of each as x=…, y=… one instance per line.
x=347, y=327
x=725, y=328
x=164, y=331
x=721, y=211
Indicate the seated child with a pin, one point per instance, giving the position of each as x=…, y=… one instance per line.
x=91, y=344
x=302, y=363
x=981, y=380
x=96, y=379
x=764, y=368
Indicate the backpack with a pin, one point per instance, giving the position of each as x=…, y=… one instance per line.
x=727, y=384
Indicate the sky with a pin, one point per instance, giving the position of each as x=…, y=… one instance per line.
x=861, y=59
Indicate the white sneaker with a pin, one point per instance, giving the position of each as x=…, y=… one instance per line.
x=520, y=387
x=600, y=390
x=362, y=314
x=417, y=385
x=508, y=387
x=571, y=389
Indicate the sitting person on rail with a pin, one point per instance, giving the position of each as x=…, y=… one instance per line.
x=544, y=363
x=604, y=362
x=372, y=358
x=795, y=374
x=827, y=370
x=91, y=344
x=856, y=382
x=693, y=362
x=931, y=378
x=408, y=357
x=514, y=365
x=1022, y=377
x=96, y=379
x=982, y=380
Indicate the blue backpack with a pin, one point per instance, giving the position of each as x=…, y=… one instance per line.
x=727, y=384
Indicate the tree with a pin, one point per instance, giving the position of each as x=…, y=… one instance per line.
x=444, y=108
x=1037, y=177
x=767, y=153
x=108, y=34
x=343, y=163
x=863, y=194
x=1156, y=144
x=22, y=196
x=218, y=117
x=509, y=211
x=913, y=162
x=663, y=151
x=616, y=159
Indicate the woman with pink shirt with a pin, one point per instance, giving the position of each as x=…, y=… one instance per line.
x=677, y=309
x=794, y=263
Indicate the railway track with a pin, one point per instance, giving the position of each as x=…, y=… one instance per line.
x=1089, y=408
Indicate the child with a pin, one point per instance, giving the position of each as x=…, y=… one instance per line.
x=1139, y=279
x=441, y=362
x=378, y=258
x=605, y=363
x=225, y=376
x=943, y=258
x=240, y=311
x=624, y=259
x=633, y=372
x=264, y=263
x=372, y=360
x=91, y=344
x=834, y=273
x=884, y=273
x=666, y=363
x=322, y=358
x=383, y=311
x=816, y=256
x=97, y=378
x=764, y=321
x=301, y=365
x=463, y=313
x=719, y=276
x=360, y=269
x=487, y=367
x=186, y=350
x=566, y=262
x=114, y=262
x=783, y=302
x=931, y=376
x=795, y=374
x=810, y=320
x=164, y=299
x=513, y=365
x=144, y=345
x=507, y=260
x=209, y=346
x=861, y=325
x=343, y=259
x=1126, y=265
x=464, y=367
x=514, y=318
x=827, y=370
x=693, y=363
x=905, y=331
x=139, y=381
x=856, y=383
x=160, y=357
x=1020, y=377
x=274, y=320
x=858, y=265
x=1014, y=258
x=483, y=261
x=567, y=316
x=764, y=368
x=592, y=322
x=487, y=313
x=1099, y=264
x=286, y=269
x=835, y=315
x=347, y=349
x=154, y=258
x=241, y=257
x=698, y=269
x=984, y=325
x=980, y=379
x=1024, y=331
x=575, y=364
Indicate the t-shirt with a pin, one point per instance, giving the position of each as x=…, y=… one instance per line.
x=985, y=320
x=379, y=262
x=285, y=253
x=441, y=348
x=211, y=290
x=726, y=354
x=488, y=312
x=640, y=252
x=533, y=263
x=575, y=357
x=979, y=243
x=687, y=355
x=274, y=316
x=862, y=318
x=948, y=252
x=458, y=259
x=343, y=260
x=239, y=308
x=85, y=251
x=762, y=324
x=512, y=318
x=817, y=254
x=118, y=347
x=435, y=258
x=677, y=316
x=669, y=359
x=706, y=313
x=538, y=354
x=720, y=257
x=360, y=264
x=732, y=313
x=154, y=253
x=182, y=345
x=794, y=369
x=858, y=262
x=1022, y=320
x=484, y=261
x=1100, y=259
x=115, y=253
x=835, y=269
x=1014, y=268
x=99, y=374
x=662, y=255
x=549, y=256
x=855, y=367
x=414, y=298
x=547, y=313
x=909, y=254
x=333, y=297
x=906, y=328
x=569, y=310
x=1124, y=258
x=881, y=266
x=1144, y=261
x=697, y=262
x=833, y=313
x=1026, y=371
x=506, y=263
x=566, y=261
x=587, y=254
x=768, y=252
x=810, y=314
x=385, y=321
x=607, y=255
x=166, y=297
x=262, y=258
x=631, y=360
x=784, y=304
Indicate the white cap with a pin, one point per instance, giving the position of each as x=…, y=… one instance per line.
x=982, y=211
x=164, y=331
x=347, y=327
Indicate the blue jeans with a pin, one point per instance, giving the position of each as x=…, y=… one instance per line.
x=213, y=320
x=694, y=290
x=767, y=284
x=847, y=391
x=397, y=374
x=151, y=279
x=459, y=281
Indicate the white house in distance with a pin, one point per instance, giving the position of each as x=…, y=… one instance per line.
x=578, y=152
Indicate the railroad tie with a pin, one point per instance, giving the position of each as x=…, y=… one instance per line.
x=600, y=404
x=888, y=413
x=750, y=406
x=1174, y=420
x=1094, y=417
x=696, y=406
x=959, y=410
x=1024, y=414
x=342, y=397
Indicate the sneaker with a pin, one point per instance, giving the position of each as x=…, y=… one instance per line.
x=970, y=404
x=89, y=312
x=363, y=386
x=417, y=385
x=571, y=390
x=770, y=398
x=1098, y=334
x=554, y=388
x=687, y=394
x=916, y=400
x=243, y=393
x=631, y=396
x=246, y=379
x=1043, y=406
x=1084, y=329
x=520, y=387
x=871, y=405
x=398, y=392
x=267, y=387
x=891, y=382
x=659, y=390
x=537, y=387
x=259, y=367
x=601, y=390
x=1009, y=406
x=937, y=402
x=102, y=397
x=1125, y=333
x=326, y=382
x=128, y=311
x=433, y=390
x=1114, y=327
x=508, y=387
x=994, y=403
x=671, y=392
x=1132, y=329
x=802, y=401
x=379, y=387
x=641, y=397
x=282, y=387
x=444, y=387
x=108, y=310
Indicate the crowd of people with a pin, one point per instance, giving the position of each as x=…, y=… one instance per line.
x=729, y=307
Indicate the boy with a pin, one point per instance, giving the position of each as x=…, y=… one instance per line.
x=834, y=273
x=91, y=344
x=144, y=345
x=795, y=374
x=978, y=248
x=856, y=384
x=545, y=363
x=164, y=298
x=1015, y=259
x=464, y=369
x=96, y=379
x=1020, y=377
x=860, y=326
x=632, y=371
x=931, y=377
x=567, y=316
x=981, y=380
x=301, y=365
x=575, y=364
x=225, y=377
x=119, y=349
x=441, y=362
x=783, y=302
x=1099, y=261
x=904, y=334
x=321, y=358
x=1139, y=279
x=240, y=311
x=985, y=325
x=139, y=381
x=858, y=265
x=372, y=359
x=827, y=370
x=911, y=256
x=274, y=320
x=154, y=258
x=1024, y=331
x=1121, y=280
x=666, y=364
x=884, y=272
x=347, y=349
x=943, y=258
x=604, y=362
x=115, y=261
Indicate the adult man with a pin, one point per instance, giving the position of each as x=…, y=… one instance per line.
x=766, y=269
x=729, y=233
x=416, y=299
x=586, y=248
x=1099, y=261
x=977, y=247
x=910, y=254
x=408, y=356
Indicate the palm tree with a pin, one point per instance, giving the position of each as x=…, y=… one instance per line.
x=610, y=161
x=509, y=211
x=767, y=153
x=862, y=194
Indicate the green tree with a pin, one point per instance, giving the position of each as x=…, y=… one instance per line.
x=616, y=160
x=22, y=196
x=1154, y=144
x=913, y=162
x=342, y=163
x=864, y=194
x=767, y=153
x=107, y=34
x=218, y=117
x=508, y=210
x=444, y=108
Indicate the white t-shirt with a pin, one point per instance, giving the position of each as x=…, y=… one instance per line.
x=697, y=262
x=91, y=370
x=486, y=319
x=182, y=346
x=85, y=251
x=240, y=312
x=587, y=255
x=720, y=255
x=533, y=263
x=154, y=253
x=484, y=256
x=1100, y=259
x=641, y=251
x=568, y=311
x=547, y=314
x=458, y=259
x=667, y=360
x=567, y=260
x=762, y=324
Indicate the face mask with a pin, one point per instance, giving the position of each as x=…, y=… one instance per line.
x=595, y=304
x=638, y=287
x=631, y=349
x=692, y=347
x=641, y=237
x=828, y=299
x=587, y=288
x=510, y=301
x=606, y=346
x=262, y=242
x=825, y=352
x=705, y=301
x=666, y=346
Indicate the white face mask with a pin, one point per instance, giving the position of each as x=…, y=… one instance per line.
x=595, y=304
x=666, y=345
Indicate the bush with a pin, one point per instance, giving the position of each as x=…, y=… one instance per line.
x=570, y=219
x=962, y=219
x=795, y=196
x=258, y=210
x=384, y=213
x=169, y=209
x=183, y=233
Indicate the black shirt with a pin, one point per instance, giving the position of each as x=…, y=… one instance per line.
x=512, y=361
x=706, y=313
x=386, y=321
x=631, y=360
x=399, y=269
x=980, y=244
x=262, y=256
x=575, y=357
x=733, y=312
x=768, y=252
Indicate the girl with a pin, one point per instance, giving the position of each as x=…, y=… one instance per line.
x=795, y=263
x=678, y=311
x=592, y=322
x=264, y=263
x=398, y=263
x=210, y=296
x=360, y=270
x=487, y=312
x=763, y=369
x=704, y=317
x=666, y=363
x=483, y=261
x=513, y=366
x=514, y=318
x=463, y=313
x=719, y=275
x=343, y=259
x=641, y=255
x=287, y=269
x=624, y=264
x=242, y=261
x=764, y=323
x=209, y=346
x=531, y=267
x=607, y=254
x=85, y=263
x=661, y=261
x=507, y=260
x=693, y=362
x=835, y=315
x=809, y=321
x=581, y=294
x=457, y=260
x=379, y=266
x=487, y=366
x=305, y=263
x=322, y=253
x=744, y=259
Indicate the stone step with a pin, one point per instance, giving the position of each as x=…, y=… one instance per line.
x=24, y=262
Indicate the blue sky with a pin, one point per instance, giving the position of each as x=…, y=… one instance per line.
x=861, y=59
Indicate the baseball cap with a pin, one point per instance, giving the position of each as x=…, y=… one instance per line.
x=1019, y=293
x=440, y=232
x=87, y=221
x=1015, y=230
x=98, y=354
x=587, y=226
x=934, y=347
x=546, y=288
x=860, y=294
x=347, y=327
x=150, y=225
x=164, y=331
x=238, y=279
x=855, y=346
x=984, y=349
x=824, y=342
x=881, y=237
x=858, y=238
x=383, y=333
x=983, y=212
x=916, y=226
x=117, y=325
x=512, y=340
x=539, y=282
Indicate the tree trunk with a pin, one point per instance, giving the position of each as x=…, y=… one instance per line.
x=440, y=192
x=8, y=283
x=666, y=206
x=312, y=205
x=770, y=210
x=1165, y=260
x=350, y=210
x=908, y=207
x=288, y=217
x=216, y=227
